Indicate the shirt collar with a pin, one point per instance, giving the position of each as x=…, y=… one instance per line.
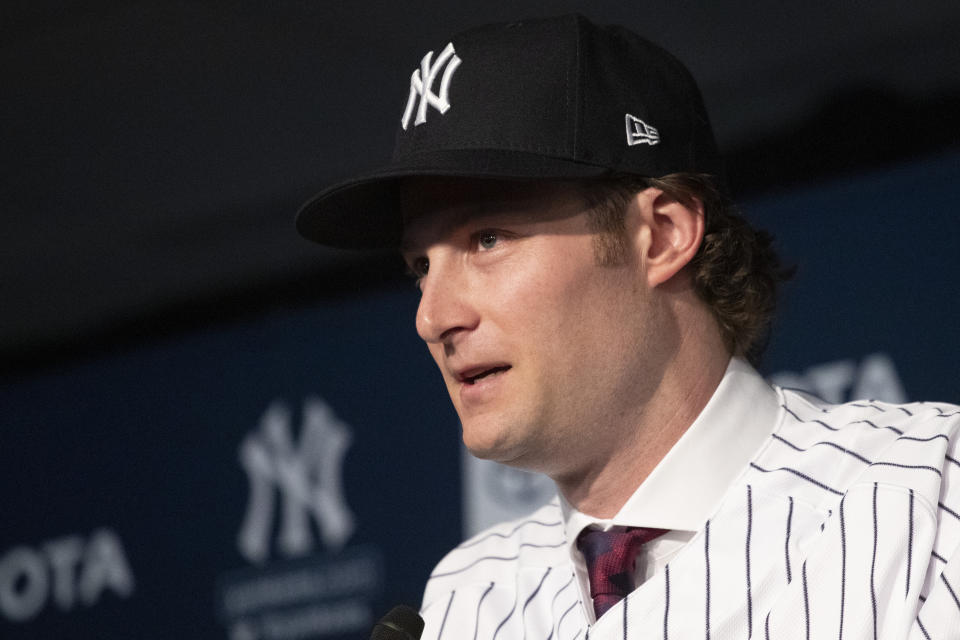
x=686, y=487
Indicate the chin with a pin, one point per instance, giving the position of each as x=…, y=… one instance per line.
x=511, y=454
x=483, y=450
x=487, y=444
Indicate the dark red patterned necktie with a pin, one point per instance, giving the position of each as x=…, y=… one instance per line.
x=611, y=558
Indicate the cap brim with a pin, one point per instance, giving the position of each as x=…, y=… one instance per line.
x=364, y=213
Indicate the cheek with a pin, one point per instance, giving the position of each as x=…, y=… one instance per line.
x=578, y=293
x=563, y=306
x=551, y=271
x=593, y=315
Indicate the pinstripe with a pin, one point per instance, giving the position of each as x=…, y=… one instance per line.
x=949, y=510
x=523, y=611
x=786, y=544
x=822, y=443
x=806, y=597
x=873, y=563
x=471, y=565
x=799, y=419
x=537, y=590
x=843, y=567
x=749, y=531
x=509, y=534
x=905, y=410
x=922, y=628
x=777, y=436
x=953, y=593
x=569, y=609
x=766, y=627
x=875, y=426
x=906, y=586
x=562, y=589
x=799, y=474
x=939, y=557
x=953, y=460
x=666, y=600
x=476, y=626
x=499, y=558
x=706, y=556
x=504, y=621
x=918, y=439
x=908, y=466
x=446, y=612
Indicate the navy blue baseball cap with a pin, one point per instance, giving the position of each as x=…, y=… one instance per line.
x=539, y=99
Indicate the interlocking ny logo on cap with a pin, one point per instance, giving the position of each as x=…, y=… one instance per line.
x=639, y=132
x=421, y=85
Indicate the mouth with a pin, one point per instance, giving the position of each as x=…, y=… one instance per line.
x=475, y=374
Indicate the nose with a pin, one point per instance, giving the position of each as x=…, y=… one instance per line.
x=446, y=309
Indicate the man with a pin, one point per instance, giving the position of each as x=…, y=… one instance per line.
x=592, y=302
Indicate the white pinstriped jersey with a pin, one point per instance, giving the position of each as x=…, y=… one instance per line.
x=846, y=524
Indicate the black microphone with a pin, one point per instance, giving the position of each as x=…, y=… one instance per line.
x=400, y=623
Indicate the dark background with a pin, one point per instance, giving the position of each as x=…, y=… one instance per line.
x=156, y=299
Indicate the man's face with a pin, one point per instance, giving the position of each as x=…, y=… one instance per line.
x=541, y=348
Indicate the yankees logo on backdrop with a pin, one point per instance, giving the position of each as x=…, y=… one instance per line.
x=421, y=85
x=296, y=500
x=307, y=475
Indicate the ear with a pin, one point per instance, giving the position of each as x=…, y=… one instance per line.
x=673, y=234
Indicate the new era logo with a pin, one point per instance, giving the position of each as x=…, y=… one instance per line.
x=639, y=132
x=421, y=85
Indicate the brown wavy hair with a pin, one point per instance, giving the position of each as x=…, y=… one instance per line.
x=736, y=270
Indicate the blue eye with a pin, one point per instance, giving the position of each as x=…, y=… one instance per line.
x=487, y=239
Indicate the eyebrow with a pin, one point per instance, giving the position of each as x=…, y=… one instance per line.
x=473, y=212
x=451, y=220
